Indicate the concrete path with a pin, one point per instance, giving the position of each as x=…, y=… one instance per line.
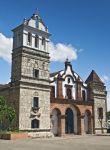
x=67, y=143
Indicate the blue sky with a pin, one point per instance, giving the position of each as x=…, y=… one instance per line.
x=85, y=24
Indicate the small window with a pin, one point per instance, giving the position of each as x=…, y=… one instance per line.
x=29, y=38
x=36, y=41
x=100, y=113
x=83, y=95
x=68, y=80
x=43, y=41
x=35, y=123
x=35, y=102
x=52, y=91
x=36, y=73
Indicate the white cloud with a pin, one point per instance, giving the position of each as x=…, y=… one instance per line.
x=60, y=52
x=5, y=48
x=105, y=78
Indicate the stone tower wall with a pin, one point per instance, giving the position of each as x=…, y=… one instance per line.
x=100, y=102
x=43, y=114
x=30, y=72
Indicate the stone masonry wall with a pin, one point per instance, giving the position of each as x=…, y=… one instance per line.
x=26, y=97
x=99, y=102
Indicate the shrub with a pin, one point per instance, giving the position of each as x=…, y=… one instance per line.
x=7, y=115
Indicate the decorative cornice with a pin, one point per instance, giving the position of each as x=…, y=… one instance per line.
x=28, y=50
x=67, y=101
x=33, y=78
x=35, y=84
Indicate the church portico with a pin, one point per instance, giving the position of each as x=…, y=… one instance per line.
x=70, y=119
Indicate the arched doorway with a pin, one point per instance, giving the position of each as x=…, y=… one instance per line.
x=69, y=121
x=87, y=122
x=56, y=122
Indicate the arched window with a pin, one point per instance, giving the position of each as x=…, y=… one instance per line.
x=69, y=93
x=100, y=113
x=36, y=41
x=29, y=38
x=69, y=80
x=83, y=95
x=35, y=102
x=52, y=93
x=35, y=73
x=43, y=42
x=35, y=123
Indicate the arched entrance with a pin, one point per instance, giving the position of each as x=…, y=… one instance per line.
x=56, y=122
x=69, y=121
x=87, y=122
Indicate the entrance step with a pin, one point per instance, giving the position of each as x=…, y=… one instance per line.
x=68, y=135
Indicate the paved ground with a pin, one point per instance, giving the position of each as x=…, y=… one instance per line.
x=67, y=143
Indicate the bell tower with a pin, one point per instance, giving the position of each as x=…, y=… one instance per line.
x=30, y=74
x=30, y=38
x=98, y=94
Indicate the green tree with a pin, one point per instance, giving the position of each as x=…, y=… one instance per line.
x=7, y=114
x=2, y=111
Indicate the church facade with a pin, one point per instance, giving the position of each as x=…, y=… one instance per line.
x=50, y=104
x=76, y=106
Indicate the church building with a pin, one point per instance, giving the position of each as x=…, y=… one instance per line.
x=48, y=104
x=76, y=106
